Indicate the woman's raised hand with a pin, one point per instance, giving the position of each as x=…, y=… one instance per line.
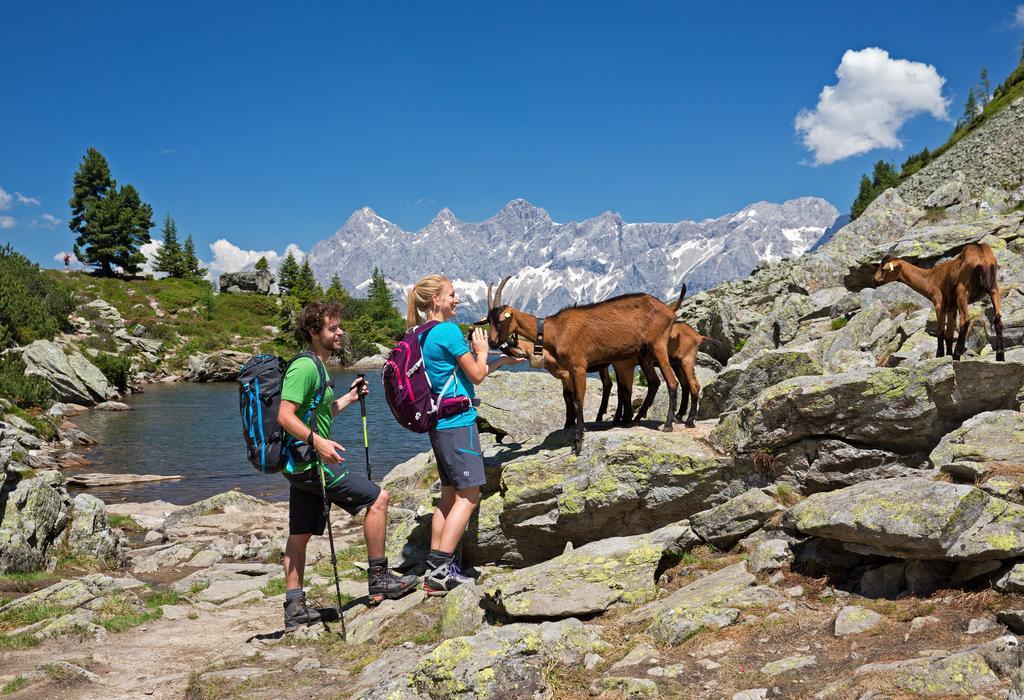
x=479, y=341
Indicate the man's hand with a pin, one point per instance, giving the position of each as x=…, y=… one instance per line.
x=328, y=450
x=479, y=341
x=360, y=387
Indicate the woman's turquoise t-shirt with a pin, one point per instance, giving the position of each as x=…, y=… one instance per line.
x=441, y=350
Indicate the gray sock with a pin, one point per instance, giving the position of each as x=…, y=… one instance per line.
x=293, y=593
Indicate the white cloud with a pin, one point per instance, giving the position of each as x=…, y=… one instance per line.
x=5, y=199
x=227, y=257
x=22, y=199
x=7, y=222
x=149, y=250
x=46, y=221
x=875, y=96
x=1018, y=16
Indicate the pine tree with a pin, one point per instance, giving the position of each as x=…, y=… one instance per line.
x=262, y=265
x=970, y=110
x=287, y=273
x=169, y=257
x=306, y=288
x=380, y=302
x=863, y=197
x=884, y=177
x=91, y=182
x=985, y=88
x=191, y=260
x=335, y=292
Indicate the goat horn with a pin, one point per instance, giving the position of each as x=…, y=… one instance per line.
x=888, y=253
x=490, y=297
x=497, y=293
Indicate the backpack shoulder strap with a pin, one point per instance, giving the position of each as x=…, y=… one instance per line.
x=321, y=389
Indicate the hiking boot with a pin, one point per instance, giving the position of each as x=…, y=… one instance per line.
x=461, y=576
x=384, y=584
x=444, y=578
x=297, y=613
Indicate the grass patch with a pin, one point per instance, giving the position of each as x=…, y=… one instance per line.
x=14, y=685
x=786, y=496
x=17, y=642
x=840, y=322
x=348, y=556
x=27, y=614
x=198, y=587
x=46, y=429
x=125, y=522
x=164, y=597
x=122, y=611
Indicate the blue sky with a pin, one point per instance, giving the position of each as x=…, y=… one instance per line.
x=269, y=123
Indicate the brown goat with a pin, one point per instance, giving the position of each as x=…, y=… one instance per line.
x=577, y=338
x=951, y=286
x=684, y=342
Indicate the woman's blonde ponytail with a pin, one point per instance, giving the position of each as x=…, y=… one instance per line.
x=420, y=296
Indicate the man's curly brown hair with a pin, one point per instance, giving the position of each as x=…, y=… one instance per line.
x=312, y=318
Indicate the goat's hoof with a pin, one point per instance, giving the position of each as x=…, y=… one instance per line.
x=688, y=424
x=1000, y=357
x=667, y=428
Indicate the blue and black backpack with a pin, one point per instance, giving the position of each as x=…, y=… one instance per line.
x=267, y=445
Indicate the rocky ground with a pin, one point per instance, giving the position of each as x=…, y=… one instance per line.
x=846, y=520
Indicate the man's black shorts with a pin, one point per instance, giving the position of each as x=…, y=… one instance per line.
x=460, y=461
x=348, y=489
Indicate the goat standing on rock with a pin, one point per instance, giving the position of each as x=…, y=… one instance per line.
x=951, y=286
x=580, y=337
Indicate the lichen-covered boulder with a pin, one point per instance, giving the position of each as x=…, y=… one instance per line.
x=588, y=580
x=506, y=661
x=462, y=612
x=739, y=383
x=710, y=602
x=529, y=405
x=989, y=443
x=725, y=524
x=914, y=518
x=68, y=593
x=625, y=481
x=72, y=377
x=35, y=513
x=90, y=534
x=219, y=366
x=777, y=327
x=253, y=281
x=902, y=409
x=220, y=503
x=953, y=191
x=813, y=465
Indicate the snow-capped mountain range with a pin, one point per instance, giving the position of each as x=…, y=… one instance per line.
x=558, y=264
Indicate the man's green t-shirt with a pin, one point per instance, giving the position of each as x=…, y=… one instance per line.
x=301, y=382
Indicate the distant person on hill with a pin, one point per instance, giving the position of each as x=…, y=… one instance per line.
x=456, y=441
x=319, y=326
x=67, y=261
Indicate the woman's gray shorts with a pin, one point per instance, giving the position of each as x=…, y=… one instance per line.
x=460, y=462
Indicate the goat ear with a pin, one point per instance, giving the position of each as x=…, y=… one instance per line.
x=890, y=267
x=482, y=322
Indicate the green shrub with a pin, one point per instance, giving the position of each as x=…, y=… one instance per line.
x=32, y=305
x=116, y=368
x=22, y=390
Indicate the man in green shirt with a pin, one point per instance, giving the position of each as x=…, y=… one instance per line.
x=319, y=325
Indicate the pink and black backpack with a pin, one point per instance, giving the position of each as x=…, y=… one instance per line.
x=407, y=387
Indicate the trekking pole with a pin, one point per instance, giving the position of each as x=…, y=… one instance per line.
x=362, y=410
x=334, y=558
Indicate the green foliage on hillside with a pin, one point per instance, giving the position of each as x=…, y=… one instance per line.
x=32, y=306
x=22, y=390
x=883, y=177
x=979, y=108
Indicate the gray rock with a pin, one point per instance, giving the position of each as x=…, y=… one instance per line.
x=625, y=686
x=933, y=398
x=504, y=396
x=979, y=625
x=35, y=513
x=724, y=525
x=739, y=383
x=1012, y=581
x=72, y=377
x=781, y=323
x=89, y=533
x=625, y=481
x=949, y=193
x=462, y=613
x=587, y=580
x=368, y=626
x=815, y=465
x=220, y=366
x=752, y=694
x=505, y=661
x=769, y=556
x=69, y=593
x=886, y=581
x=222, y=502
x=990, y=441
x=788, y=664
x=253, y=281
x=639, y=654
x=713, y=601
x=1014, y=619
x=914, y=518
x=967, y=571
x=853, y=619
x=926, y=577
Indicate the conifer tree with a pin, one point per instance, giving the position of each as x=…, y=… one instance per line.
x=169, y=257
x=381, y=303
x=306, y=288
x=262, y=265
x=191, y=260
x=112, y=223
x=287, y=273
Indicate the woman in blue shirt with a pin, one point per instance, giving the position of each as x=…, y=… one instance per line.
x=456, y=440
